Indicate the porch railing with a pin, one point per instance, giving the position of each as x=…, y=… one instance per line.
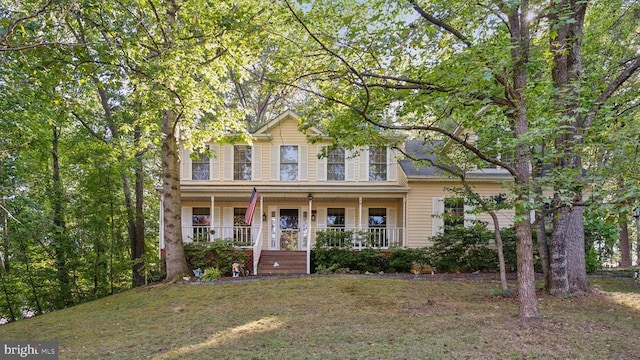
x=373, y=238
x=241, y=236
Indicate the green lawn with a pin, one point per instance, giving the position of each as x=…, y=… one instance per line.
x=341, y=318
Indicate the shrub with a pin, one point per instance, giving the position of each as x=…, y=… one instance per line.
x=464, y=249
x=217, y=254
x=211, y=274
x=403, y=260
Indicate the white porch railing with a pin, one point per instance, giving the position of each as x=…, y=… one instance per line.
x=241, y=236
x=373, y=238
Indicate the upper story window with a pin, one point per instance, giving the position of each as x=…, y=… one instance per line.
x=200, y=168
x=288, y=162
x=242, y=162
x=453, y=212
x=335, y=164
x=377, y=163
x=335, y=217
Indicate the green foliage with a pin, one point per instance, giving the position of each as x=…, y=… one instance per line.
x=402, y=260
x=218, y=254
x=468, y=249
x=211, y=274
x=600, y=238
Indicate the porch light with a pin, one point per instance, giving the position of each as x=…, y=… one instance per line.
x=309, y=196
x=313, y=215
x=264, y=216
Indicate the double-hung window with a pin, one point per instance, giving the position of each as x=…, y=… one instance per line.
x=377, y=163
x=289, y=162
x=453, y=213
x=336, y=164
x=242, y=158
x=200, y=169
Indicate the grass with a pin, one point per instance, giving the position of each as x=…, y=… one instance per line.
x=341, y=318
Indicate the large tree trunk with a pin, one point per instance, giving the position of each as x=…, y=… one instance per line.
x=174, y=250
x=520, y=40
x=568, y=233
x=576, y=265
x=625, y=253
x=543, y=249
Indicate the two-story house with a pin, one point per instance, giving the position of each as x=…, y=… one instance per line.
x=370, y=191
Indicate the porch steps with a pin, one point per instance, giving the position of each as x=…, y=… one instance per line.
x=277, y=262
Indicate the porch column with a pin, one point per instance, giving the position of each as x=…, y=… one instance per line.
x=404, y=221
x=212, y=232
x=309, y=237
x=360, y=213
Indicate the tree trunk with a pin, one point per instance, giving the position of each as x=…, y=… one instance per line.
x=568, y=238
x=559, y=284
x=498, y=235
x=520, y=40
x=137, y=241
x=4, y=261
x=174, y=250
x=543, y=249
x=60, y=242
x=625, y=253
x=576, y=264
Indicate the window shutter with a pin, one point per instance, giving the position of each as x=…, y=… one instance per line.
x=275, y=162
x=185, y=162
x=228, y=162
x=303, y=163
x=392, y=165
x=349, y=165
x=391, y=217
x=187, y=224
x=227, y=222
x=437, y=222
x=468, y=216
x=214, y=163
x=364, y=165
x=350, y=218
x=256, y=162
x=321, y=218
x=322, y=164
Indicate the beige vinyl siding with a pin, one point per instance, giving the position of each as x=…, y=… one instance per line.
x=420, y=207
x=214, y=162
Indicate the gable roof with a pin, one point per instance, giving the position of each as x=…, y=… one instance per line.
x=264, y=129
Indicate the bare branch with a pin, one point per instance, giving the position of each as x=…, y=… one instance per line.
x=440, y=23
x=626, y=73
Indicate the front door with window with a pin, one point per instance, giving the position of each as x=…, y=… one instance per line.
x=289, y=229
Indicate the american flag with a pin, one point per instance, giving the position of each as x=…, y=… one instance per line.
x=251, y=208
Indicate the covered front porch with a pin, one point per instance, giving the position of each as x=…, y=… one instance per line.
x=295, y=220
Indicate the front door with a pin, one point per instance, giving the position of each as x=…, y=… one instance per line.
x=289, y=229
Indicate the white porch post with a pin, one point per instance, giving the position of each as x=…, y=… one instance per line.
x=212, y=221
x=309, y=238
x=404, y=221
x=360, y=213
